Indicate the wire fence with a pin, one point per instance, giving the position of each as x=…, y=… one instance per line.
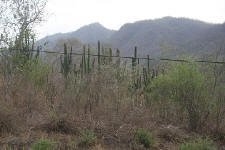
x=141, y=72
x=125, y=57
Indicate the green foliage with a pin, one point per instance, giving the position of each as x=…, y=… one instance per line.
x=21, y=51
x=33, y=69
x=184, y=84
x=199, y=144
x=159, y=88
x=189, y=82
x=24, y=43
x=88, y=138
x=36, y=71
x=42, y=144
x=142, y=136
x=66, y=62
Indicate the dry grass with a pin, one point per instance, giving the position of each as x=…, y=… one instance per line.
x=100, y=102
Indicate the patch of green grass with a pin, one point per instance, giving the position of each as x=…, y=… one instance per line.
x=42, y=144
x=199, y=144
x=88, y=138
x=144, y=137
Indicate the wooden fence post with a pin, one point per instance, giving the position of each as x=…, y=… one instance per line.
x=118, y=59
x=110, y=55
x=84, y=60
x=134, y=59
x=88, y=61
x=148, y=63
x=99, y=53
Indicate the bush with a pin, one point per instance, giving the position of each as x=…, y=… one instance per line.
x=184, y=84
x=33, y=68
x=142, y=136
x=199, y=144
x=88, y=138
x=42, y=144
x=36, y=71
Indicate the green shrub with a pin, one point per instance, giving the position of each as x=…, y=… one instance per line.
x=184, y=84
x=199, y=144
x=36, y=71
x=142, y=136
x=88, y=138
x=160, y=88
x=33, y=68
x=42, y=144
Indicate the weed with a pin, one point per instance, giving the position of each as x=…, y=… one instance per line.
x=42, y=144
x=199, y=144
x=144, y=137
x=88, y=138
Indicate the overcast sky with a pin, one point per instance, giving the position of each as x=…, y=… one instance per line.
x=69, y=15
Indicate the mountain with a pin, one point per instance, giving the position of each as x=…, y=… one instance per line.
x=88, y=34
x=166, y=37
x=210, y=41
x=92, y=33
x=56, y=42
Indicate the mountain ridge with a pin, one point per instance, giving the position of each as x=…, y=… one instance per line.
x=182, y=35
x=92, y=33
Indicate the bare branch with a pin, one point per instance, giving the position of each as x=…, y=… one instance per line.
x=19, y=16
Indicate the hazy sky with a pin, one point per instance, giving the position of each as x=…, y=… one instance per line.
x=69, y=15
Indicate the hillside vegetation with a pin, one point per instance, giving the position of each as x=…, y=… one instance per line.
x=110, y=103
x=60, y=93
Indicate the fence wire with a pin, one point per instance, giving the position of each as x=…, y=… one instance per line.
x=124, y=57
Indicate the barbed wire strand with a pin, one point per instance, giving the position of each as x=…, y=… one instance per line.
x=126, y=57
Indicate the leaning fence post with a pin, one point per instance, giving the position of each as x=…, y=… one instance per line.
x=84, y=59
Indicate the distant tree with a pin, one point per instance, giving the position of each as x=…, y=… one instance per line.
x=18, y=20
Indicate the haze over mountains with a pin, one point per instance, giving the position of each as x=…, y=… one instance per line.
x=166, y=36
x=92, y=33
